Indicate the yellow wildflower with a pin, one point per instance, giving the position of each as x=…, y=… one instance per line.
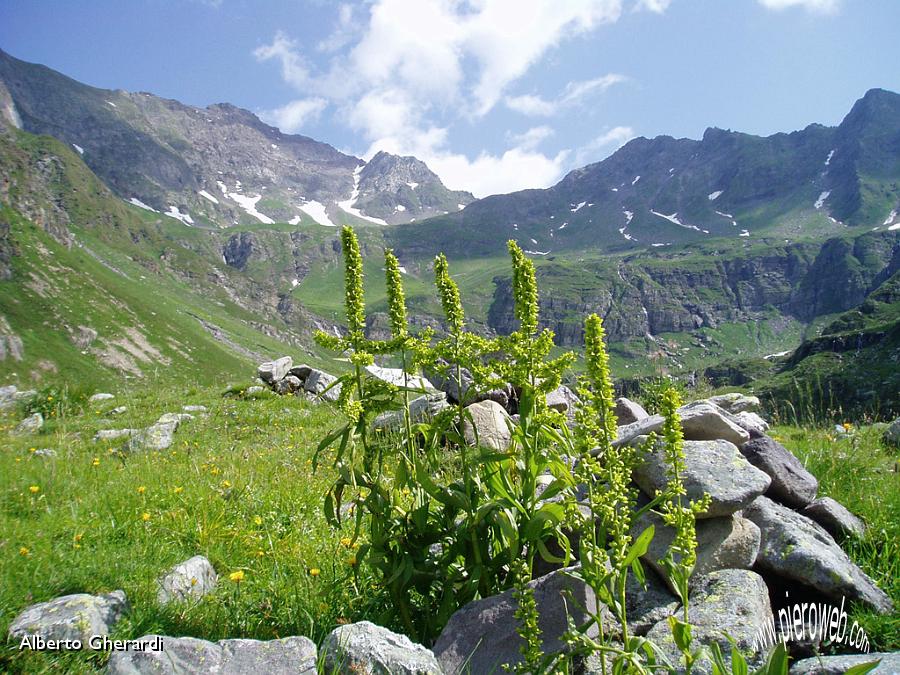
x=257, y=520
x=34, y=489
x=178, y=490
x=226, y=484
x=260, y=553
x=145, y=517
x=847, y=426
x=314, y=572
x=346, y=541
x=351, y=561
x=32, y=449
x=237, y=577
x=24, y=551
x=141, y=490
x=96, y=462
x=78, y=537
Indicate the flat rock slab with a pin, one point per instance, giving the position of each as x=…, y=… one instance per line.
x=791, y=484
x=400, y=378
x=730, y=542
x=835, y=518
x=185, y=655
x=189, y=580
x=838, y=665
x=794, y=547
x=735, y=602
x=366, y=649
x=492, y=424
x=71, y=617
x=704, y=421
x=194, y=408
x=628, y=412
x=272, y=371
x=482, y=635
x=716, y=468
x=735, y=402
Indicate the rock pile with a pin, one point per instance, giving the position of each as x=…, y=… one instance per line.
x=10, y=396
x=283, y=377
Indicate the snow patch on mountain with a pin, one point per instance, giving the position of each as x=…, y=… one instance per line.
x=316, y=211
x=249, y=206
x=713, y=196
x=78, y=148
x=348, y=204
x=890, y=218
x=820, y=202
x=138, y=202
x=204, y=193
x=673, y=218
x=174, y=212
x=578, y=207
x=636, y=179
x=828, y=159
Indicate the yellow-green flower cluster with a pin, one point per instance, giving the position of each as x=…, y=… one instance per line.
x=524, y=289
x=354, y=300
x=449, y=292
x=396, y=298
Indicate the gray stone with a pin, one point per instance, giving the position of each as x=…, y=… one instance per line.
x=491, y=423
x=751, y=423
x=835, y=518
x=322, y=384
x=399, y=378
x=184, y=655
x=45, y=452
x=629, y=412
x=730, y=542
x=482, y=634
x=713, y=467
x=96, y=398
x=838, y=665
x=254, y=389
x=892, y=433
x=648, y=605
x=158, y=436
x=301, y=372
x=176, y=418
x=704, y=421
x=366, y=649
x=449, y=385
x=791, y=484
x=421, y=409
x=71, y=617
x=735, y=602
x=191, y=579
x=118, y=410
x=30, y=425
x=291, y=384
x=628, y=433
x=735, y=402
x=112, y=434
x=563, y=399
x=272, y=371
x=194, y=408
x=796, y=548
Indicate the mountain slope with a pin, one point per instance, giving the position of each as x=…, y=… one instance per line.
x=215, y=166
x=662, y=192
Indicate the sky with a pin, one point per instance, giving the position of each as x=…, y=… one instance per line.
x=494, y=95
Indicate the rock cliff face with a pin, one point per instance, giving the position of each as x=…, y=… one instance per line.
x=638, y=296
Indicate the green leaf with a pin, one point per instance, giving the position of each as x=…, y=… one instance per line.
x=640, y=546
x=681, y=633
x=862, y=668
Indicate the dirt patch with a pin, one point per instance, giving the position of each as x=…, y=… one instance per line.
x=136, y=344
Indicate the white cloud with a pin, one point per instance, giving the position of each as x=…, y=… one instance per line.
x=401, y=72
x=817, y=6
x=600, y=146
x=532, y=105
x=531, y=138
x=291, y=118
x=657, y=6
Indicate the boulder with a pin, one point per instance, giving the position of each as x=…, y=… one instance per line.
x=892, y=433
x=481, y=636
x=735, y=402
x=647, y=605
x=174, y=418
x=791, y=484
x=733, y=602
x=752, y=423
x=7, y=396
x=491, y=424
x=30, y=425
x=835, y=518
x=447, y=383
x=563, y=399
x=272, y=371
x=158, y=436
x=71, y=617
x=191, y=579
x=288, y=656
x=704, y=421
x=301, y=372
x=289, y=385
x=366, y=649
x=730, y=542
x=716, y=468
x=96, y=398
x=796, y=548
x=320, y=383
x=399, y=378
x=421, y=409
x=629, y=412
x=628, y=433
x=838, y=665
x=112, y=434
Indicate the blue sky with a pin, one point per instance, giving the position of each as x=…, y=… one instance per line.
x=494, y=95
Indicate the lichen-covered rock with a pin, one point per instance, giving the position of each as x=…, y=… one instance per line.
x=704, y=421
x=194, y=408
x=366, y=649
x=735, y=402
x=191, y=579
x=290, y=384
x=320, y=383
x=490, y=422
x=733, y=602
x=791, y=484
x=751, y=423
x=112, y=434
x=421, y=409
x=796, y=548
x=71, y=617
x=835, y=518
x=272, y=371
x=30, y=425
x=628, y=412
x=482, y=635
x=563, y=399
x=892, y=433
x=183, y=655
x=716, y=468
x=838, y=665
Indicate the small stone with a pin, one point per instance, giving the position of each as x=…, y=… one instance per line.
x=191, y=579
x=194, y=408
x=118, y=410
x=629, y=412
x=490, y=422
x=112, y=434
x=366, y=649
x=96, y=398
x=835, y=518
x=71, y=617
x=289, y=385
x=45, y=452
x=272, y=371
x=30, y=425
x=254, y=389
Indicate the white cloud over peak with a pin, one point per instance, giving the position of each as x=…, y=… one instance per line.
x=657, y=6
x=600, y=146
x=817, y=6
x=531, y=138
x=291, y=117
x=401, y=73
